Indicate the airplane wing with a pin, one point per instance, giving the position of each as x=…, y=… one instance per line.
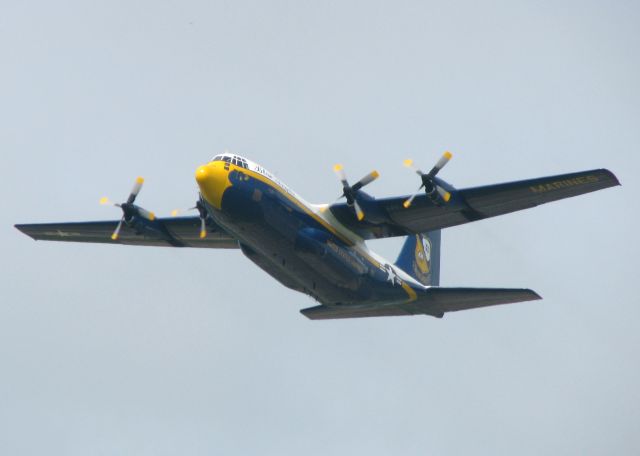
x=162, y=232
x=434, y=301
x=470, y=204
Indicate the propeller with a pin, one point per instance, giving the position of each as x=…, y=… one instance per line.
x=350, y=192
x=202, y=212
x=431, y=188
x=129, y=209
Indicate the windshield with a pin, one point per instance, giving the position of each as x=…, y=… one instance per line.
x=233, y=159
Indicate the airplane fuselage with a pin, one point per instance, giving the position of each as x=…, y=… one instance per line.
x=299, y=244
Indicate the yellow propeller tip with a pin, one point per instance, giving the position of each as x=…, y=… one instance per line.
x=152, y=216
x=408, y=162
x=447, y=155
x=406, y=204
x=114, y=236
x=203, y=234
x=360, y=216
x=375, y=174
x=337, y=167
x=104, y=200
x=446, y=197
x=139, y=180
x=174, y=212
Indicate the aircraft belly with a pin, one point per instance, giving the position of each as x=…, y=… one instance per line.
x=296, y=250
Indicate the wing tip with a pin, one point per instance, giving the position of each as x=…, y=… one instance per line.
x=612, y=176
x=310, y=313
x=534, y=295
x=24, y=229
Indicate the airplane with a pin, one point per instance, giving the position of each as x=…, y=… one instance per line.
x=320, y=249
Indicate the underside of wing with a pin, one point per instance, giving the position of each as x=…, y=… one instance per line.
x=434, y=301
x=161, y=232
x=470, y=204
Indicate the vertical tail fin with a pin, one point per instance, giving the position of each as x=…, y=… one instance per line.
x=420, y=257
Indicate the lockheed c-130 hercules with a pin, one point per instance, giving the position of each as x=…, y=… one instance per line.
x=320, y=249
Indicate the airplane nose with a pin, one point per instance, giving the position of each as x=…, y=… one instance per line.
x=213, y=180
x=202, y=174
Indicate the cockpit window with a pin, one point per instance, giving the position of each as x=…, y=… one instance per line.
x=235, y=160
x=239, y=161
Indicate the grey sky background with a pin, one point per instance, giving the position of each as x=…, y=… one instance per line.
x=116, y=350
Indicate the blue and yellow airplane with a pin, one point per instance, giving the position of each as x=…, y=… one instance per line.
x=321, y=250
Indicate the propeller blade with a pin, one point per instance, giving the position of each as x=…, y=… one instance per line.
x=135, y=190
x=408, y=202
x=203, y=228
x=409, y=164
x=366, y=180
x=202, y=215
x=130, y=210
x=177, y=212
x=146, y=214
x=350, y=192
x=445, y=195
x=339, y=170
x=440, y=164
x=116, y=233
x=428, y=181
x=359, y=211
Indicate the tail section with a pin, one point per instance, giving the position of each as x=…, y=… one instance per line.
x=433, y=301
x=420, y=257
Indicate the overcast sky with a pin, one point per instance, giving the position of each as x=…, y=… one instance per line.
x=142, y=351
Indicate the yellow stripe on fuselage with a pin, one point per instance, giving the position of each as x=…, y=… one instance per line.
x=410, y=291
x=297, y=202
x=407, y=288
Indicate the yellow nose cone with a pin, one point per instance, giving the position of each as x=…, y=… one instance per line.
x=202, y=174
x=213, y=180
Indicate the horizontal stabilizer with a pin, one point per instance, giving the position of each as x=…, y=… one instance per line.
x=434, y=301
x=454, y=299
